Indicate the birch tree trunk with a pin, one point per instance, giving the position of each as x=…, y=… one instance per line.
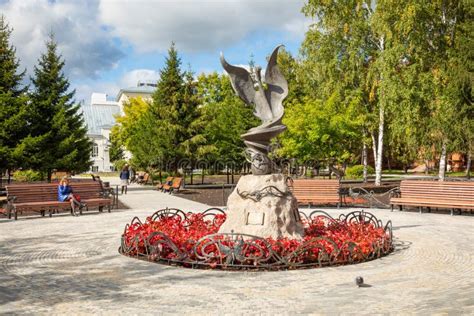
x=374, y=146
x=378, y=161
x=364, y=161
x=442, y=163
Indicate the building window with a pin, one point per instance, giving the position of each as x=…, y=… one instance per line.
x=95, y=150
x=95, y=168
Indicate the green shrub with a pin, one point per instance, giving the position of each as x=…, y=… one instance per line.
x=28, y=175
x=118, y=164
x=357, y=171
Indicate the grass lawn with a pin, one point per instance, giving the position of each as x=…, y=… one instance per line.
x=100, y=174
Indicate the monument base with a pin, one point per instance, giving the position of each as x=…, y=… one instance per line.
x=263, y=206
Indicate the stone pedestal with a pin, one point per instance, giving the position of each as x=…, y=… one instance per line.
x=263, y=206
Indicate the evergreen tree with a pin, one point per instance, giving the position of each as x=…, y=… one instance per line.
x=171, y=111
x=189, y=116
x=12, y=100
x=57, y=138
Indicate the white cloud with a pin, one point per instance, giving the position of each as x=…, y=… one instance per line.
x=89, y=33
x=129, y=79
x=84, y=44
x=85, y=90
x=198, y=25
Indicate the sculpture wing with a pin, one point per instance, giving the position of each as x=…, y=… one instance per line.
x=241, y=81
x=277, y=85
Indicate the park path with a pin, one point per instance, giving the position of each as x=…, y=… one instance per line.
x=147, y=198
x=68, y=265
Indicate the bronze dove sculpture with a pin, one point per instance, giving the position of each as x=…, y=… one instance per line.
x=267, y=98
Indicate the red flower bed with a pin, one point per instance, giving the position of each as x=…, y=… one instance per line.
x=193, y=238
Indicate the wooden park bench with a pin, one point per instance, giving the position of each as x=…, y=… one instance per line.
x=167, y=181
x=437, y=194
x=143, y=178
x=175, y=185
x=316, y=192
x=44, y=197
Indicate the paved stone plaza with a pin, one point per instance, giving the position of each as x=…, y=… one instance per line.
x=71, y=265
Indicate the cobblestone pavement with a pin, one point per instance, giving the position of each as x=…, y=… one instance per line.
x=71, y=265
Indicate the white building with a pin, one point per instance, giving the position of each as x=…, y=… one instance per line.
x=100, y=118
x=144, y=89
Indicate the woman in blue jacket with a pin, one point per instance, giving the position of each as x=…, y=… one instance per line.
x=65, y=194
x=124, y=177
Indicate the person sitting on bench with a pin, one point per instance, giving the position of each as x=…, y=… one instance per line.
x=65, y=194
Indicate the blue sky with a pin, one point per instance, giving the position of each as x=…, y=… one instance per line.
x=111, y=44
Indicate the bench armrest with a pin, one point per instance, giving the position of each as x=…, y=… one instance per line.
x=106, y=193
x=395, y=193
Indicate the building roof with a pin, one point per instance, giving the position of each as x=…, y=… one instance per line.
x=145, y=89
x=99, y=116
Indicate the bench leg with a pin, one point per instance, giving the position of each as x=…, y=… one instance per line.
x=101, y=209
x=109, y=208
x=420, y=209
x=42, y=213
x=400, y=207
x=452, y=211
x=391, y=208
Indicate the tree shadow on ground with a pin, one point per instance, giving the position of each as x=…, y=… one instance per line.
x=404, y=226
x=48, y=276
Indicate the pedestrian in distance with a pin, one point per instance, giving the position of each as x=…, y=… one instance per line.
x=124, y=177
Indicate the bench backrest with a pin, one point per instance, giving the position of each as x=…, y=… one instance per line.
x=25, y=193
x=446, y=190
x=146, y=177
x=177, y=183
x=315, y=187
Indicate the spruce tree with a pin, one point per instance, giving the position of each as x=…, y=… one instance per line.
x=189, y=115
x=57, y=138
x=12, y=100
x=168, y=113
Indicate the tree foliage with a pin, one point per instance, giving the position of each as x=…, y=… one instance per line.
x=57, y=133
x=407, y=62
x=13, y=100
x=223, y=118
x=392, y=75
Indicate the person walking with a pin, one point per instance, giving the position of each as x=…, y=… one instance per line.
x=133, y=176
x=124, y=177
